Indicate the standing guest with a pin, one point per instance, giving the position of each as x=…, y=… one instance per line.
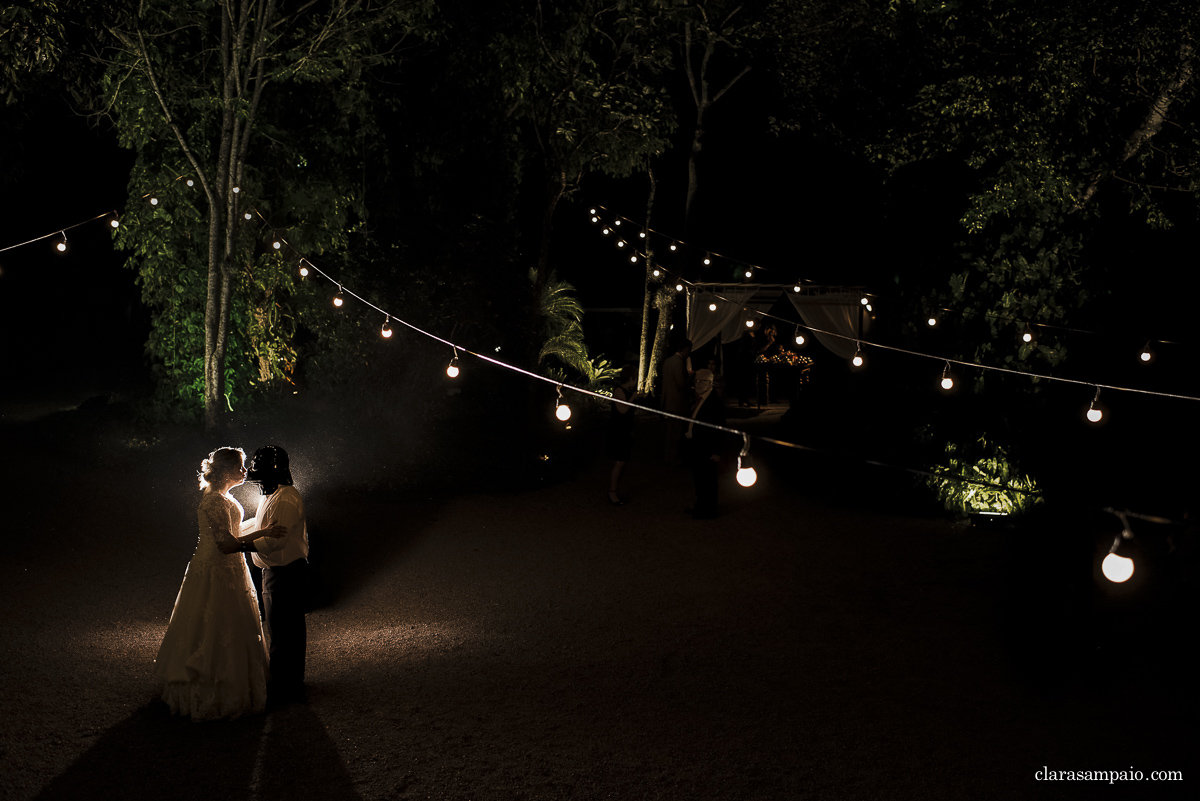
x=620, y=430
x=675, y=397
x=285, y=572
x=213, y=661
x=706, y=445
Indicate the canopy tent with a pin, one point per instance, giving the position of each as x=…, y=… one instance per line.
x=835, y=314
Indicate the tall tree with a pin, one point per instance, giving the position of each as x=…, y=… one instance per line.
x=256, y=107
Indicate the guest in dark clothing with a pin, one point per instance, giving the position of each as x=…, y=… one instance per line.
x=620, y=430
x=706, y=445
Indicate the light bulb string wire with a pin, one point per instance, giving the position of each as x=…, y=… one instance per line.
x=59, y=231
x=964, y=312
x=961, y=362
x=659, y=412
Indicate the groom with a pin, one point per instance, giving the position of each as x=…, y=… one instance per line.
x=284, y=561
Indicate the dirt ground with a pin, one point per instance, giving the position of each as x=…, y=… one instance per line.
x=475, y=642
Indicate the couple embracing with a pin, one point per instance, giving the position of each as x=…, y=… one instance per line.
x=213, y=660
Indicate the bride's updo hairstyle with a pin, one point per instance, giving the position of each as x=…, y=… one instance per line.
x=219, y=463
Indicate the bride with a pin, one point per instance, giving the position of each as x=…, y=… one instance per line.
x=213, y=661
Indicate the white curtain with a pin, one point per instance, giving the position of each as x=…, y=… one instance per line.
x=704, y=323
x=836, y=313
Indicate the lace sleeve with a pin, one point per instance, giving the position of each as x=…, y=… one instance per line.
x=217, y=521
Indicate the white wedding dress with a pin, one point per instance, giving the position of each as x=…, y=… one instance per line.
x=213, y=660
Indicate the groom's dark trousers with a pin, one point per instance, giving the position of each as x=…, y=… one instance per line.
x=284, y=590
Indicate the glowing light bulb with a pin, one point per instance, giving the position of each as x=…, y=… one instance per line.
x=642, y=234
x=1116, y=569
x=592, y=211
x=62, y=246
x=303, y=270
x=153, y=201
x=452, y=368
x=749, y=323
x=248, y=216
x=114, y=222
x=746, y=476
x=633, y=259
x=748, y=274
x=1027, y=337
x=707, y=259
x=857, y=361
x=621, y=244
x=673, y=246
x=679, y=287
x=656, y=272
x=712, y=307
x=562, y=412
x=1147, y=355
x=277, y=244
x=606, y=231
x=799, y=339
x=863, y=300
x=595, y=219
x=931, y=322
x=947, y=382
x=616, y=222
x=338, y=300
x=190, y=182
x=796, y=288
x=1094, y=415
x=237, y=189
x=1144, y=355
x=386, y=331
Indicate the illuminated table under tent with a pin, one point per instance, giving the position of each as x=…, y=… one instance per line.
x=720, y=312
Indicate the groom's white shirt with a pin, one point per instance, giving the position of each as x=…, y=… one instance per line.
x=286, y=508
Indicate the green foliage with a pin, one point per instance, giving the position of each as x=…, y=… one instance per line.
x=562, y=334
x=312, y=131
x=990, y=464
x=1047, y=112
x=580, y=76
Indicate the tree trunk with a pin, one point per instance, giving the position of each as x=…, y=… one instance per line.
x=664, y=301
x=1155, y=116
x=644, y=382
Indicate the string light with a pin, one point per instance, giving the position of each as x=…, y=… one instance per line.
x=621, y=243
x=746, y=475
x=386, y=331
x=1095, y=413
x=452, y=368
x=674, y=247
x=1027, y=335
x=248, y=216
x=749, y=323
x=947, y=382
x=153, y=200
x=863, y=300
x=617, y=222
x=303, y=269
x=561, y=410
x=190, y=182
x=633, y=259
x=796, y=288
x=656, y=272
x=61, y=247
x=679, y=287
x=338, y=300
x=1117, y=568
x=606, y=231
x=277, y=244
x=114, y=221
x=858, y=360
x=707, y=259
x=712, y=307
x=799, y=337
x=932, y=322
x=642, y=234
x=237, y=189
x=749, y=274
x=1147, y=355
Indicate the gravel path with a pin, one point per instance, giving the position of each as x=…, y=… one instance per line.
x=541, y=644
